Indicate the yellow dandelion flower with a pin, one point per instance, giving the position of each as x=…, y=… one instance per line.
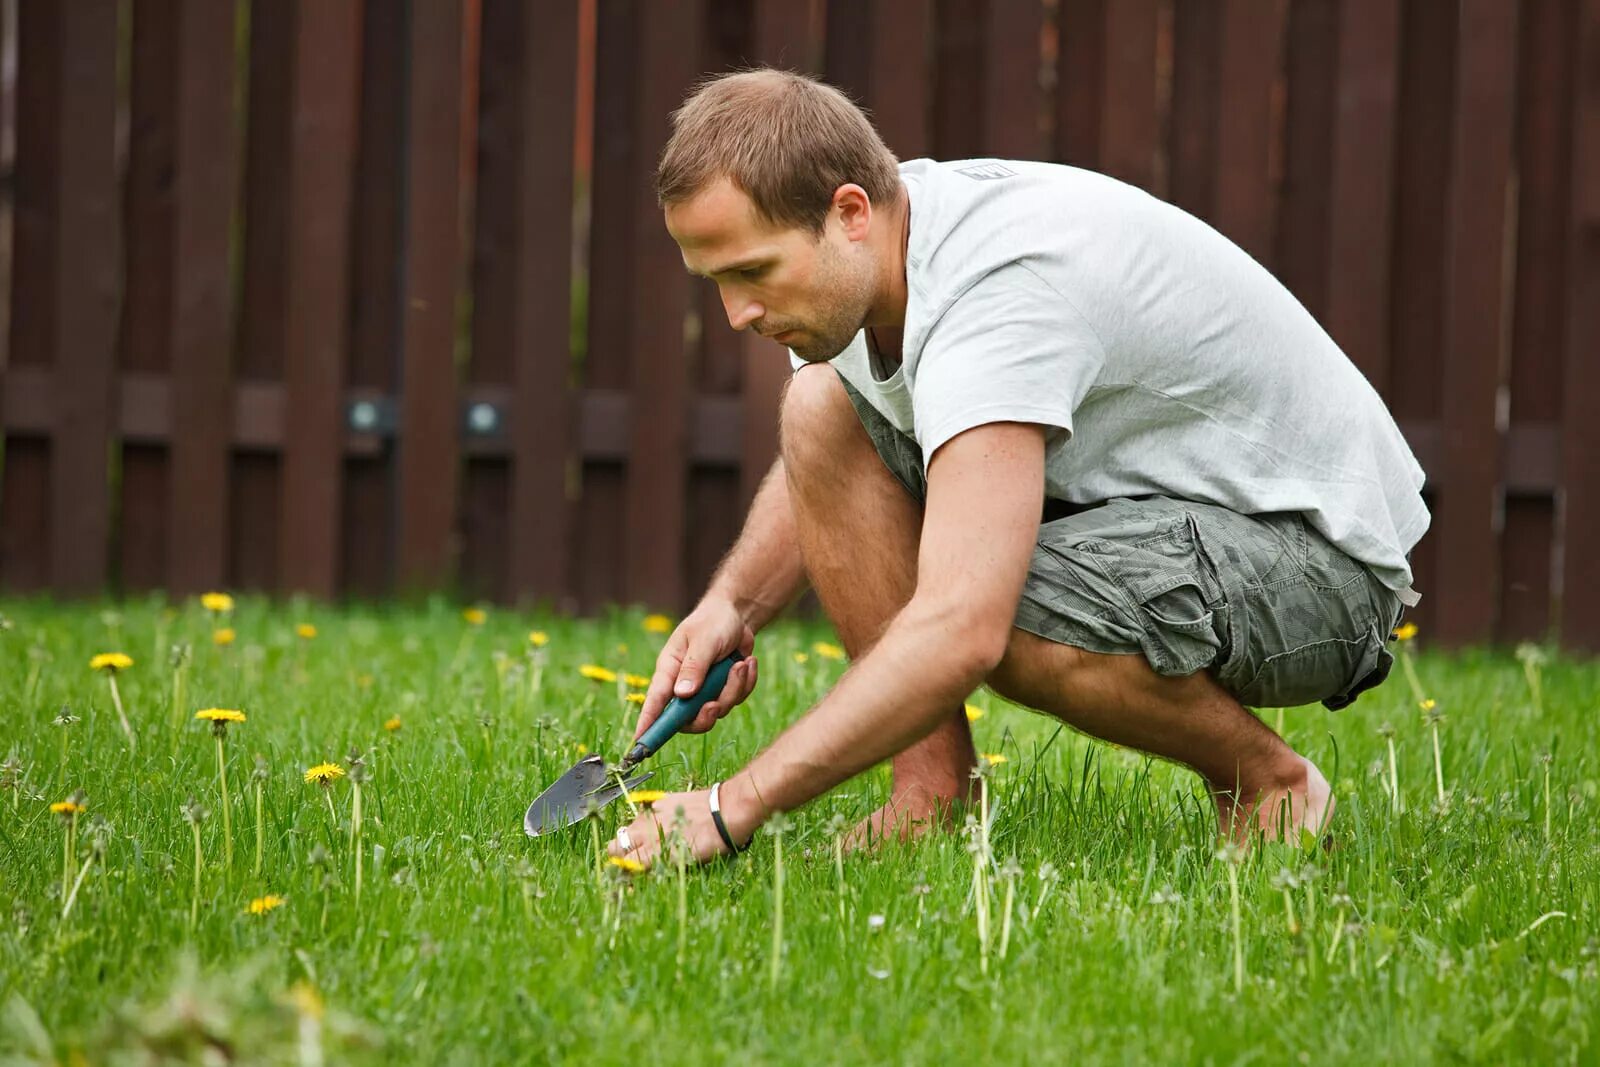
x=583, y=749
x=647, y=797
x=306, y=630
x=635, y=698
x=223, y=637
x=392, y=723
x=638, y=681
x=1427, y=705
x=324, y=773
x=827, y=651
x=67, y=807
x=995, y=758
x=364, y=681
x=262, y=905
x=538, y=639
x=306, y=1000
x=475, y=616
x=220, y=715
x=1406, y=632
x=597, y=673
x=657, y=624
x=974, y=713
x=801, y=657
x=627, y=864
x=111, y=661
x=216, y=603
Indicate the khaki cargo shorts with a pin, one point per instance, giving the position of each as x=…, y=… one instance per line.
x=1264, y=603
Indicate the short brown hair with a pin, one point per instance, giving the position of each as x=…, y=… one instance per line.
x=785, y=140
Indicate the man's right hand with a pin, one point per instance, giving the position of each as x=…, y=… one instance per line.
x=713, y=630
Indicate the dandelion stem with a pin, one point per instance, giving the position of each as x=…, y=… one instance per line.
x=1394, y=779
x=66, y=908
x=1338, y=934
x=777, y=907
x=122, y=717
x=355, y=831
x=683, y=906
x=1438, y=765
x=838, y=867
x=1411, y=675
x=177, y=704
x=1238, y=937
x=66, y=852
x=1005, y=917
x=258, y=829
x=1547, y=800
x=194, y=906
x=599, y=856
x=227, y=816
x=1288, y=910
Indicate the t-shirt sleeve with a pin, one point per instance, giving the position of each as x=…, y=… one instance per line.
x=1009, y=349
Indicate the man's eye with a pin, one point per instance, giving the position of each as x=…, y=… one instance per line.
x=752, y=273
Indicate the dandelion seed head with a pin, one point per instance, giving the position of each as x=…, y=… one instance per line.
x=875, y=922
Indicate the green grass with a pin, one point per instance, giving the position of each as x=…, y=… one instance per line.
x=1434, y=935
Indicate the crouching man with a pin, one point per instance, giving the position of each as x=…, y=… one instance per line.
x=1046, y=433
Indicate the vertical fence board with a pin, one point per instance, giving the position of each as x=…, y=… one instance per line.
x=366, y=558
x=960, y=82
x=1580, y=442
x=429, y=445
x=1361, y=190
x=1538, y=322
x=1012, y=97
x=1422, y=178
x=1475, y=299
x=541, y=511
x=1081, y=80
x=1313, y=46
x=654, y=513
x=1130, y=131
x=327, y=49
x=253, y=483
x=83, y=291
x=203, y=192
x=150, y=206
x=598, y=542
x=878, y=51
x=1246, y=130
x=1196, y=94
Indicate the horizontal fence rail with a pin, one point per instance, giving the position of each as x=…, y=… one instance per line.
x=365, y=298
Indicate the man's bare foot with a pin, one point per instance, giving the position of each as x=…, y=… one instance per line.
x=1300, y=801
x=905, y=816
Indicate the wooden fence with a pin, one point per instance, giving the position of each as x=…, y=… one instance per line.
x=311, y=295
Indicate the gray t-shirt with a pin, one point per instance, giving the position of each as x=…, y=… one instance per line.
x=1165, y=359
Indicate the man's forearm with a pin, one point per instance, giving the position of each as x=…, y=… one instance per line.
x=888, y=699
x=763, y=570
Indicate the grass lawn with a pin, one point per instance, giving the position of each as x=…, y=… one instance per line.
x=1434, y=932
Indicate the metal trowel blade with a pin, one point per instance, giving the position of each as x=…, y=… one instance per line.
x=586, y=787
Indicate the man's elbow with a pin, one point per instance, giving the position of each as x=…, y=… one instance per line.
x=977, y=637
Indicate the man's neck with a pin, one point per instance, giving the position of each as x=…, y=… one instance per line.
x=890, y=311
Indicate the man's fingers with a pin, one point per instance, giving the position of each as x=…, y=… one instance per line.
x=690, y=673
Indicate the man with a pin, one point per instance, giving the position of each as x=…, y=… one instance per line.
x=1047, y=433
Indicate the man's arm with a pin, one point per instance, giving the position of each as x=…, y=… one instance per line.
x=985, y=490
x=763, y=570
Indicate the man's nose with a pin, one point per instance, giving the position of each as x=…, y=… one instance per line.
x=741, y=312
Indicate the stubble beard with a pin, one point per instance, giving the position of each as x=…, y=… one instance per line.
x=842, y=302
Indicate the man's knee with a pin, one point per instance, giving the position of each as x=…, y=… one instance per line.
x=816, y=416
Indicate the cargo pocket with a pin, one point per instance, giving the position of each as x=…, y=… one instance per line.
x=1180, y=626
x=1333, y=671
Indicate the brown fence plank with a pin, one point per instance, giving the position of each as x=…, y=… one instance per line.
x=327, y=47
x=366, y=566
x=1474, y=309
x=82, y=282
x=1012, y=97
x=1196, y=93
x=203, y=202
x=1313, y=47
x=1361, y=195
x=1580, y=446
x=878, y=51
x=539, y=224
x=1539, y=319
x=654, y=517
x=1130, y=131
x=960, y=84
x=429, y=419
x=1247, y=126
x=1080, y=81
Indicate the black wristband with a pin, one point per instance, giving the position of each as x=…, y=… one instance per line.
x=722, y=827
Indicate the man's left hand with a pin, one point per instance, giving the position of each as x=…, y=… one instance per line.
x=649, y=835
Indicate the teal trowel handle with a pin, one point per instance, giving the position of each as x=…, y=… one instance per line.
x=680, y=713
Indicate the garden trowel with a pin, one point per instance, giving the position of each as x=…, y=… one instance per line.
x=590, y=785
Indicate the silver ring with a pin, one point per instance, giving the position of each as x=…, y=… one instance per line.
x=624, y=839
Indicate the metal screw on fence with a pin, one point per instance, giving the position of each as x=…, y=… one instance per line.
x=483, y=419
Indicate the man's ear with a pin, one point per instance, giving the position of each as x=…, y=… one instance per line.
x=853, y=208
